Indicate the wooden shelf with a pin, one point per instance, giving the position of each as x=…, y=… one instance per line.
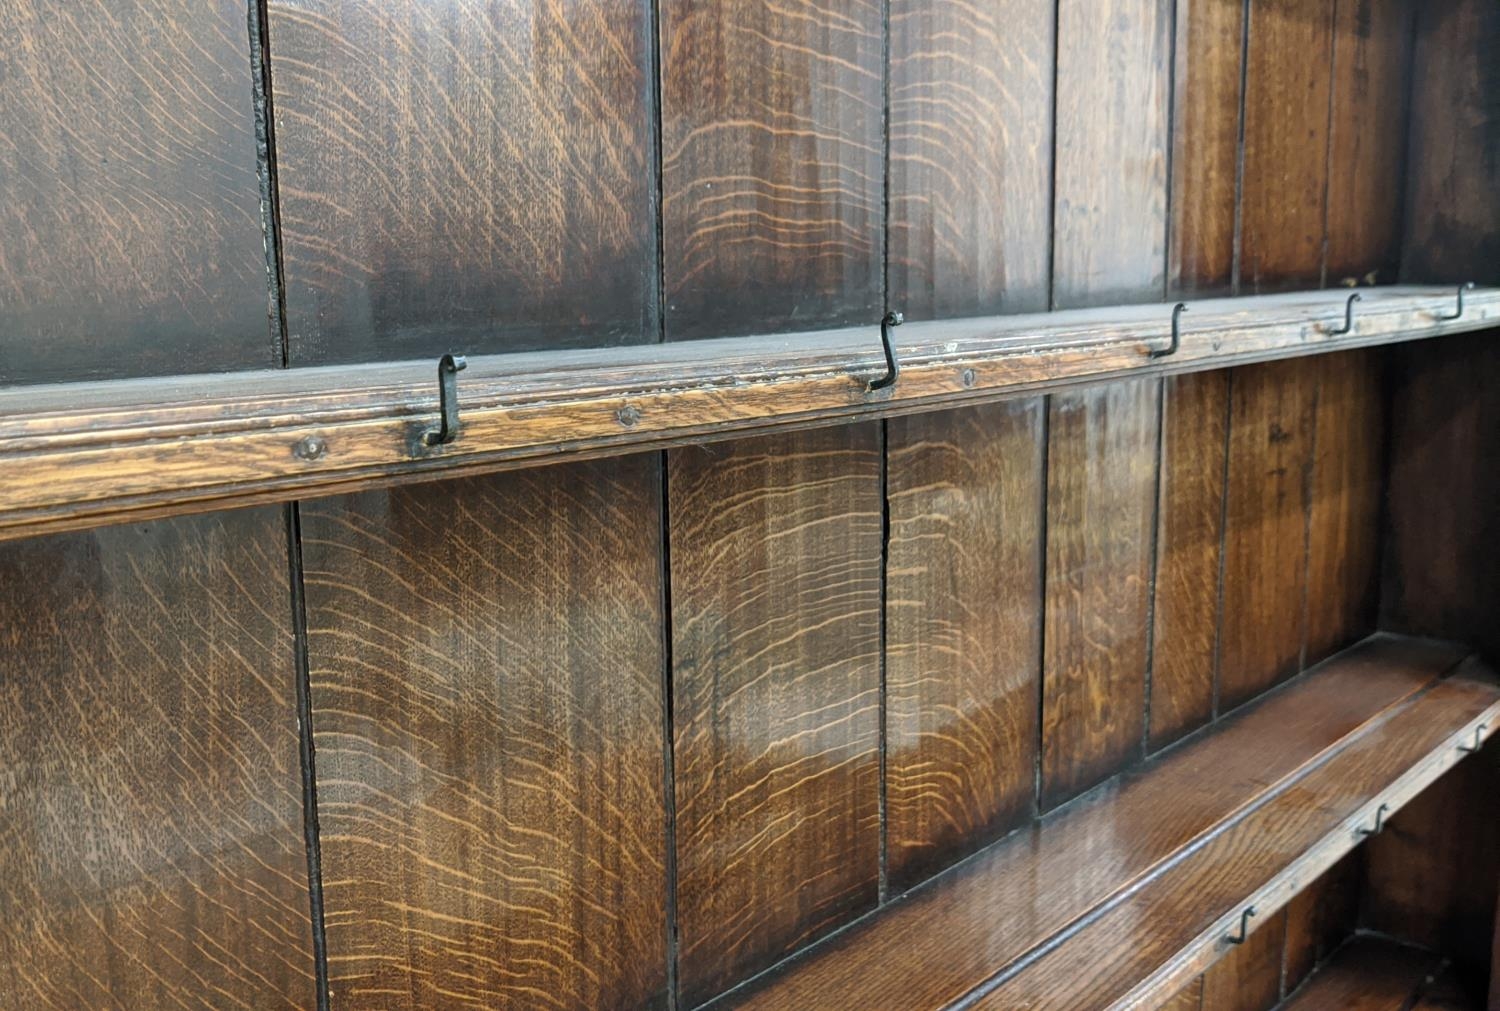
x=1376, y=974
x=87, y=454
x=1125, y=896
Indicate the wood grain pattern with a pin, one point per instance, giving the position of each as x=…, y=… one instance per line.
x=970, y=156
x=1190, y=535
x=775, y=569
x=1321, y=918
x=1188, y=999
x=151, y=841
x=486, y=664
x=772, y=165
x=130, y=235
x=1367, y=152
x=1265, y=534
x=1248, y=977
x=1101, y=483
x=1348, y=473
x=1110, y=207
x=1284, y=196
x=463, y=176
x=963, y=630
x=1206, y=145
x=1367, y=974
x=958, y=930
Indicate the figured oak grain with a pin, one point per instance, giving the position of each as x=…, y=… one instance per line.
x=471, y=176
x=772, y=165
x=775, y=580
x=970, y=156
x=1248, y=977
x=130, y=230
x=1321, y=918
x=1101, y=487
x=487, y=704
x=151, y=837
x=963, y=630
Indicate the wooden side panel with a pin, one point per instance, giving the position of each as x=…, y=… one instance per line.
x=1110, y=224
x=1248, y=978
x=1343, y=568
x=963, y=631
x=1190, y=539
x=1284, y=193
x=1321, y=918
x=776, y=547
x=1101, y=482
x=151, y=842
x=486, y=662
x=971, y=156
x=1371, y=61
x=130, y=235
x=463, y=176
x=1206, y=145
x=772, y=165
x=1265, y=533
x=1189, y=998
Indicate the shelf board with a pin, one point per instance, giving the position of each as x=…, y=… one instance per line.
x=1125, y=896
x=87, y=454
x=1373, y=974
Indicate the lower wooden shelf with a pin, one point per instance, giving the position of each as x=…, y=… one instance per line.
x=1123, y=897
x=1376, y=974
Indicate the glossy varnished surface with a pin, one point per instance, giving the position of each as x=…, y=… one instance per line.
x=963, y=631
x=1190, y=535
x=775, y=569
x=1101, y=484
x=467, y=177
x=1321, y=917
x=151, y=844
x=486, y=664
x=970, y=156
x=130, y=236
x=772, y=165
x=1248, y=977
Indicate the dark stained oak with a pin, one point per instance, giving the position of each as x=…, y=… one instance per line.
x=151, y=838
x=1114, y=65
x=1101, y=483
x=463, y=176
x=1248, y=978
x=487, y=704
x=963, y=630
x=1265, y=533
x=1284, y=195
x=775, y=570
x=1206, y=146
x=970, y=156
x=130, y=228
x=1367, y=150
x=1368, y=974
x=1447, y=992
x=1321, y=918
x=1343, y=567
x=1190, y=536
x=772, y=165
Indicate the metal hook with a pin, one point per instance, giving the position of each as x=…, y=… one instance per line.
x=1461, y=289
x=1478, y=740
x=1348, y=326
x=1379, y=821
x=1171, y=349
x=892, y=366
x=1244, y=927
x=449, y=366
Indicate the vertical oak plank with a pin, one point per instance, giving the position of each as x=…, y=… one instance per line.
x=1284, y=192
x=1110, y=224
x=1265, y=532
x=963, y=630
x=1343, y=571
x=463, y=176
x=1321, y=917
x=130, y=232
x=772, y=165
x=971, y=156
x=1190, y=536
x=1248, y=978
x=1371, y=61
x=1190, y=998
x=151, y=840
x=486, y=672
x=1101, y=483
x=1206, y=145
x=775, y=570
